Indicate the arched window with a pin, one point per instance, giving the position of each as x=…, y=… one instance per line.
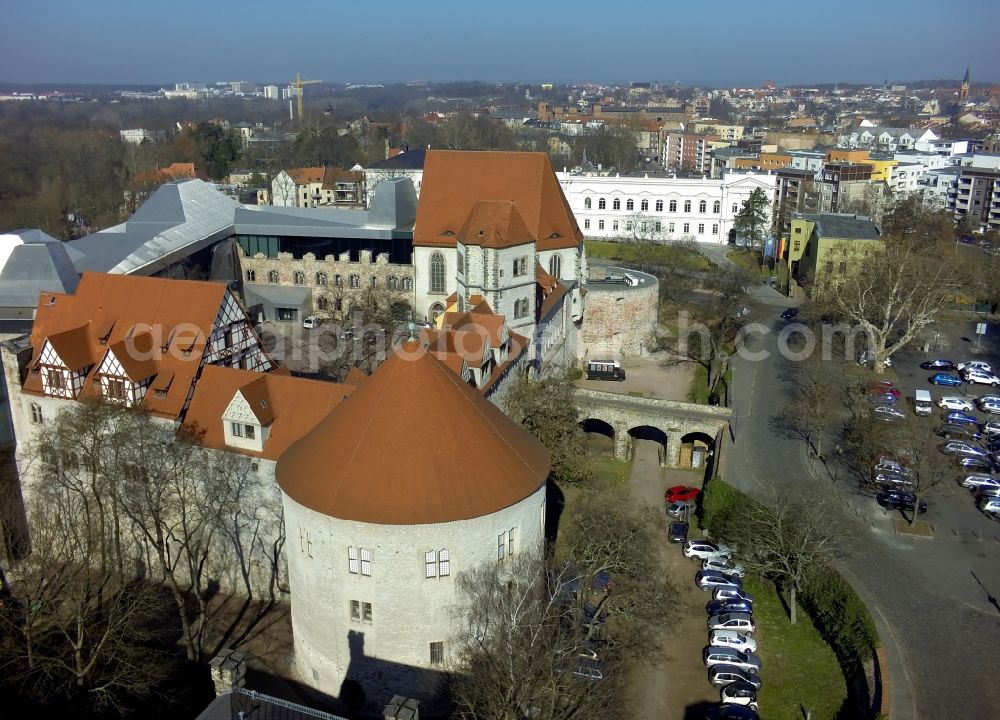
x=322, y=303
x=437, y=273
x=687, y=206
x=673, y=206
x=299, y=278
x=36, y=414
x=272, y=276
x=555, y=266
x=374, y=281
x=251, y=275
x=407, y=283
x=716, y=207
x=436, y=310
x=354, y=281
x=702, y=206
x=630, y=204
x=321, y=279
x=644, y=205
x=586, y=203
x=659, y=206
x=600, y=204
x=393, y=282
x=616, y=204
x=338, y=281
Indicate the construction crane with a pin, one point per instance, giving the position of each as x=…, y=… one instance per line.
x=297, y=83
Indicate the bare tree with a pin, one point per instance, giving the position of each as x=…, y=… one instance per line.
x=644, y=235
x=894, y=289
x=811, y=408
x=785, y=535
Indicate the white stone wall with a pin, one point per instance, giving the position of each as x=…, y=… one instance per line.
x=409, y=611
x=730, y=191
x=423, y=299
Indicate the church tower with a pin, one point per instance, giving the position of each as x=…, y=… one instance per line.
x=963, y=91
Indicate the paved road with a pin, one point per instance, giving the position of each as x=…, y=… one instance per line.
x=938, y=626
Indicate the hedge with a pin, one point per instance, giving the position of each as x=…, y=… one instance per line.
x=832, y=604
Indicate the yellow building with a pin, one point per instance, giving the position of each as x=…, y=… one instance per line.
x=817, y=244
x=882, y=169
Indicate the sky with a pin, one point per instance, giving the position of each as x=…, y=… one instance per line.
x=716, y=43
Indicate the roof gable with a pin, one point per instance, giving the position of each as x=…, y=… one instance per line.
x=495, y=224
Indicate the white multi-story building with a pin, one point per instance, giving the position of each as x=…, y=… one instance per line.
x=137, y=136
x=700, y=209
x=906, y=177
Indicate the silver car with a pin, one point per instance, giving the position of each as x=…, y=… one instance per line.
x=975, y=481
x=731, y=592
x=714, y=655
x=740, y=622
x=957, y=447
x=732, y=639
x=680, y=508
x=722, y=675
x=723, y=564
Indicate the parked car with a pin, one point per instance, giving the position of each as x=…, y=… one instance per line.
x=977, y=464
x=945, y=379
x=989, y=404
x=680, y=508
x=958, y=447
x=989, y=506
x=881, y=387
x=887, y=413
x=705, y=548
x=957, y=417
x=991, y=428
x=957, y=432
x=883, y=399
x=723, y=564
x=899, y=500
x=954, y=402
x=677, y=532
x=940, y=365
x=986, y=491
x=789, y=313
x=739, y=693
x=974, y=481
x=981, y=378
x=978, y=365
x=731, y=638
x=710, y=579
x=892, y=462
x=717, y=607
x=892, y=480
x=732, y=621
x=713, y=655
x=310, y=321
x=725, y=592
x=588, y=669
x=722, y=675
x=731, y=711
x=679, y=493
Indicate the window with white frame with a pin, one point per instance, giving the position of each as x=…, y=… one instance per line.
x=614, y=225
x=687, y=206
x=673, y=206
x=359, y=560
x=630, y=204
x=586, y=203
x=702, y=206
x=366, y=562
x=237, y=429
x=736, y=208
x=352, y=560
x=600, y=224
x=616, y=204
x=361, y=611
x=644, y=205
x=670, y=227
x=659, y=206
x=716, y=207
x=437, y=563
x=601, y=204
x=658, y=226
x=715, y=229
x=701, y=228
x=687, y=227
x=586, y=224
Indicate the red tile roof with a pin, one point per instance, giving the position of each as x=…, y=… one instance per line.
x=454, y=181
x=295, y=406
x=414, y=445
x=495, y=224
x=306, y=175
x=120, y=309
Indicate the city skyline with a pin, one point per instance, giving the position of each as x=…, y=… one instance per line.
x=864, y=42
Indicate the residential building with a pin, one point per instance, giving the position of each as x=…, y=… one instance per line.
x=845, y=186
x=820, y=245
x=317, y=187
x=795, y=193
x=701, y=209
x=729, y=133
x=687, y=151
x=764, y=161
x=137, y=136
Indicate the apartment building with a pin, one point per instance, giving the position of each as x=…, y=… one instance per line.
x=688, y=151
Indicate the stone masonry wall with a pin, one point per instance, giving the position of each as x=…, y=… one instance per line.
x=618, y=320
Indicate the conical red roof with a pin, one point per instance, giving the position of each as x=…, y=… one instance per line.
x=413, y=445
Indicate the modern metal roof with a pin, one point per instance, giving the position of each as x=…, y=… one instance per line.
x=32, y=262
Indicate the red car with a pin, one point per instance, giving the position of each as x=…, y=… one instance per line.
x=882, y=387
x=679, y=493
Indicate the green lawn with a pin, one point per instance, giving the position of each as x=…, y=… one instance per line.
x=799, y=670
x=698, y=392
x=674, y=256
x=746, y=260
x=609, y=470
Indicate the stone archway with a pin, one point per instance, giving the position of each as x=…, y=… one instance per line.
x=654, y=434
x=697, y=451
x=600, y=436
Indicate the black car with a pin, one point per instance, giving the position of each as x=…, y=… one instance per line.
x=942, y=365
x=789, y=313
x=717, y=607
x=677, y=532
x=954, y=431
x=896, y=500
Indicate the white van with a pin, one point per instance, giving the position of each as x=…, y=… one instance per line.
x=922, y=403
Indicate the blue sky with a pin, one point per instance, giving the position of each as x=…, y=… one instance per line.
x=716, y=43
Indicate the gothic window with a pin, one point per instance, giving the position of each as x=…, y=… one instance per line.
x=338, y=281
x=299, y=278
x=393, y=282
x=322, y=303
x=555, y=266
x=354, y=281
x=251, y=275
x=321, y=278
x=272, y=276
x=374, y=281
x=36, y=414
x=586, y=203
x=437, y=273
x=407, y=283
